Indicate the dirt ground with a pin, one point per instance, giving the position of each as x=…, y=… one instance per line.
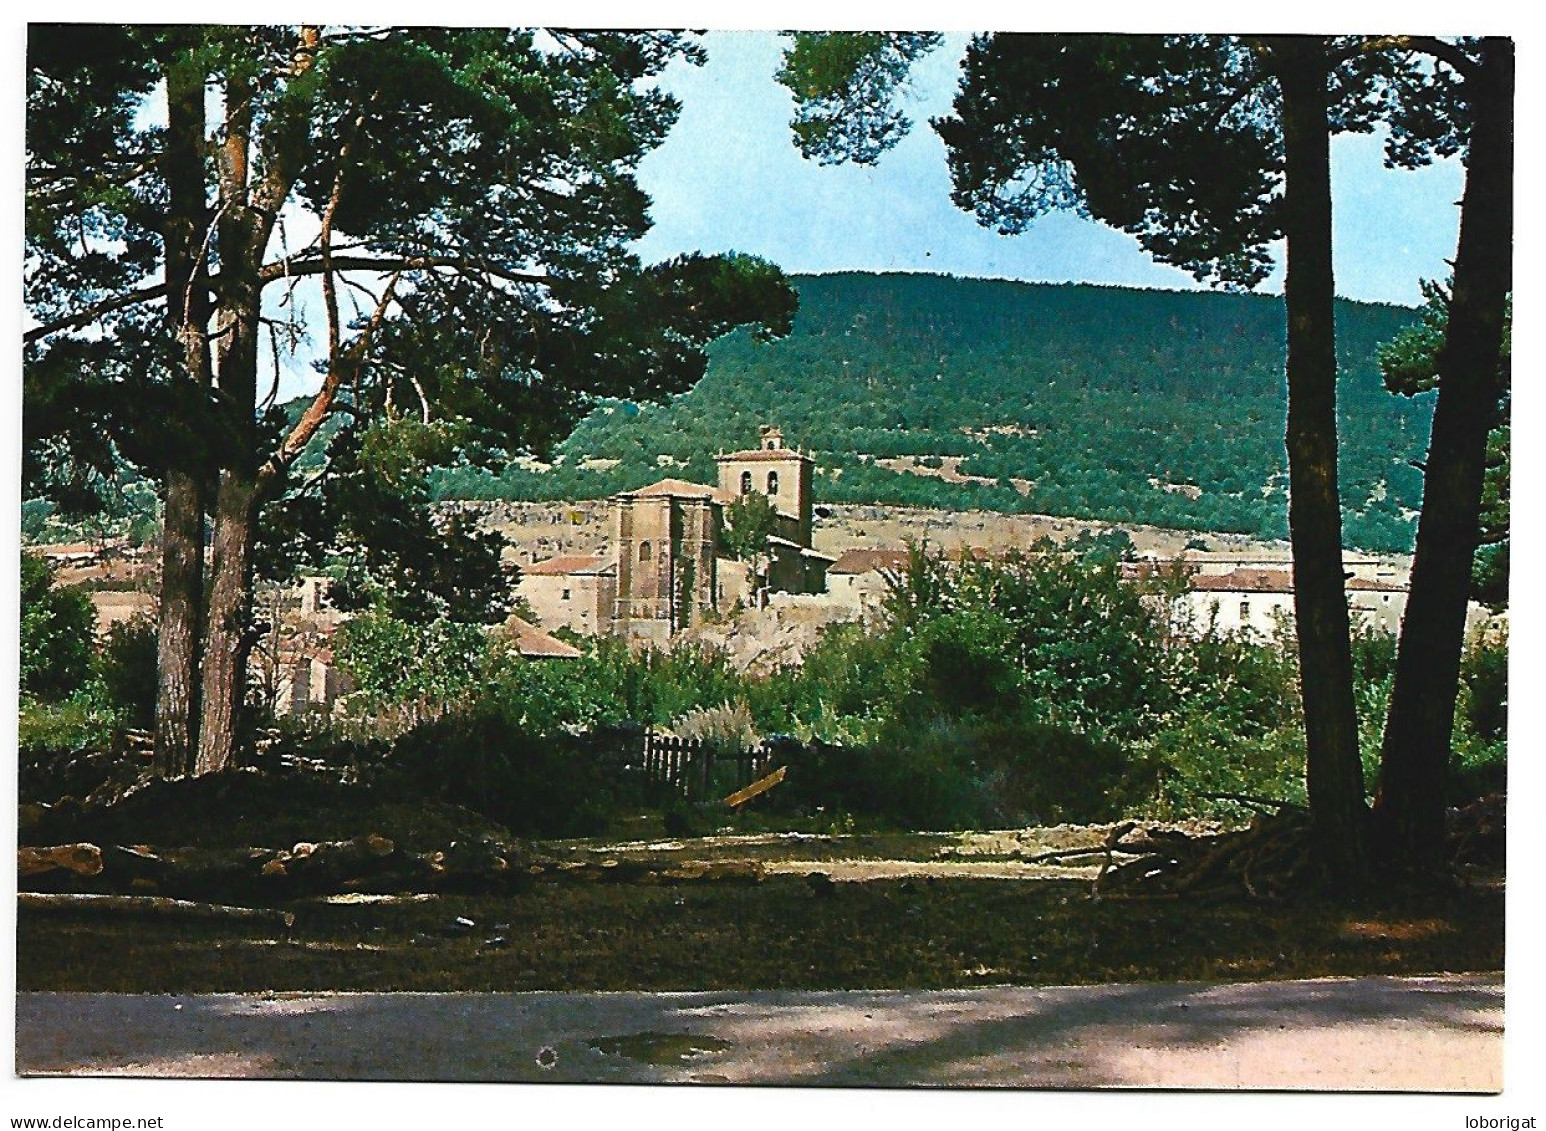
x=855, y=959
x=785, y=932
x=748, y=908
x=1366, y=1034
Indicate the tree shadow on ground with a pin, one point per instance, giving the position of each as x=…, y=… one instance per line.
x=1366, y=1034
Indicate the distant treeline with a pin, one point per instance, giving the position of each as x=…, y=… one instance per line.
x=1099, y=397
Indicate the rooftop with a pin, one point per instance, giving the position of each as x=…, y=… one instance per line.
x=676, y=489
x=531, y=642
x=867, y=561
x=567, y=566
x=1277, y=581
x=767, y=455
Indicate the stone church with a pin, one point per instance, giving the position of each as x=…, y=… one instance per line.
x=668, y=569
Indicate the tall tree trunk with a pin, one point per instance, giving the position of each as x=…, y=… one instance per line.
x=228, y=640
x=180, y=624
x=187, y=316
x=242, y=236
x=250, y=207
x=1415, y=756
x=1333, y=772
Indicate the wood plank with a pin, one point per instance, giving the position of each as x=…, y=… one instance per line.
x=756, y=789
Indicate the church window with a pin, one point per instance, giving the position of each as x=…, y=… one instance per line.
x=772, y=482
x=746, y=483
x=644, y=551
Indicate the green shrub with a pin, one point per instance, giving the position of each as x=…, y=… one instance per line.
x=421, y=670
x=1480, y=747
x=1484, y=674
x=534, y=785
x=964, y=772
x=1198, y=760
x=57, y=627
x=126, y=667
x=1038, y=774
x=846, y=688
x=84, y=721
x=682, y=818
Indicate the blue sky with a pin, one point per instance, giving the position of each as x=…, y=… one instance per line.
x=728, y=178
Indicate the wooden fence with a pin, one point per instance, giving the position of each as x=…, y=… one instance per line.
x=697, y=770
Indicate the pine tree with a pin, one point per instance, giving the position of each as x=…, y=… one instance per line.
x=464, y=199
x=1207, y=148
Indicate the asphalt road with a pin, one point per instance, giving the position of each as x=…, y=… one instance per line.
x=1440, y=1034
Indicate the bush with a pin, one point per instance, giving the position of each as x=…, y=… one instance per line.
x=1199, y=759
x=57, y=626
x=421, y=670
x=84, y=721
x=534, y=785
x=1038, y=774
x=358, y=752
x=845, y=690
x=957, y=773
x=726, y=728
x=126, y=668
x=1484, y=673
x=1064, y=639
x=926, y=784
x=1480, y=762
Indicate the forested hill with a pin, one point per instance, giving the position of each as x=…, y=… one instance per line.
x=1102, y=402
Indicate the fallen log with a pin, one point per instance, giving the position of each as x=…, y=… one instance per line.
x=1059, y=855
x=1265, y=861
x=624, y=871
x=77, y=859
x=331, y=861
x=1113, y=838
x=151, y=906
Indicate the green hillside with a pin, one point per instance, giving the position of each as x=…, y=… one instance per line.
x=1091, y=392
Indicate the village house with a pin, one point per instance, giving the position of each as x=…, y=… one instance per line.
x=1357, y=566
x=61, y=554
x=574, y=591
x=1258, y=599
x=666, y=538
x=306, y=679
x=859, y=580
x=294, y=663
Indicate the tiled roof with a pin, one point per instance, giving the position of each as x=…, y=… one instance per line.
x=764, y=455
x=866, y=561
x=531, y=642
x=676, y=489
x=566, y=566
x=1374, y=585
x=1278, y=581
x=1246, y=581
